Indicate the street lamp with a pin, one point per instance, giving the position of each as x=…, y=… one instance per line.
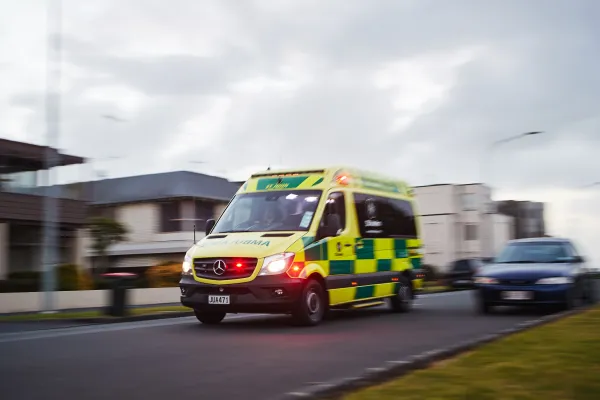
x=493, y=146
x=50, y=255
x=488, y=157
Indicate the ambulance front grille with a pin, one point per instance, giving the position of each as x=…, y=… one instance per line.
x=234, y=267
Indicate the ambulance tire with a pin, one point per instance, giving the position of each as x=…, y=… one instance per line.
x=402, y=301
x=312, y=305
x=210, y=317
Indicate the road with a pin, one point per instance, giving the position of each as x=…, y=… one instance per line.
x=249, y=357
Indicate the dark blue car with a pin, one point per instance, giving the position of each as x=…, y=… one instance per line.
x=538, y=271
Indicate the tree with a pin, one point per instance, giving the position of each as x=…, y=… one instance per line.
x=105, y=232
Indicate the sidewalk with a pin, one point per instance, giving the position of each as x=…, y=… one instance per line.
x=96, y=316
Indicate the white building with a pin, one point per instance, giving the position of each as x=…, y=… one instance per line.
x=159, y=212
x=459, y=221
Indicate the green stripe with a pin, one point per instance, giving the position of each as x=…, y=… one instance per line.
x=416, y=262
x=384, y=265
x=367, y=252
x=324, y=251
x=400, y=248
x=318, y=181
x=364, y=292
x=312, y=252
x=306, y=240
x=341, y=267
x=280, y=184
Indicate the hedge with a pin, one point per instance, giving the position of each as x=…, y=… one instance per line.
x=165, y=274
x=68, y=277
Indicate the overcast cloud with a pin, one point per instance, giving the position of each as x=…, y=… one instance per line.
x=417, y=89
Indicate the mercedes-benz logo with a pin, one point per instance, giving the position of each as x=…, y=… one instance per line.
x=219, y=267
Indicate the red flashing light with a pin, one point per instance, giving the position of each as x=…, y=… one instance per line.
x=294, y=271
x=239, y=265
x=342, y=179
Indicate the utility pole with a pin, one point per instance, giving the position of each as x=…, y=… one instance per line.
x=50, y=254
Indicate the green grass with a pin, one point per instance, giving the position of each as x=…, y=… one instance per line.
x=90, y=314
x=560, y=360
x=434, y=288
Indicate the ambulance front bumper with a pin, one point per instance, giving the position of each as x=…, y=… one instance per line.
x=265, y=294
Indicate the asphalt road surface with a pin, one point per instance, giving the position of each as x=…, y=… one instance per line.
x=246, y=357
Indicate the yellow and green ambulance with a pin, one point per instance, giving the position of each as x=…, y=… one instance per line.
x=304, y=242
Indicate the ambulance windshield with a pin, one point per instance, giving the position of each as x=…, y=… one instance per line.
x=270, y=212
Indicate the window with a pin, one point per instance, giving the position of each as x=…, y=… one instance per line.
x=404, y=220
x=380, y=217
x=534, y=252
x=469, y=201
x=270, y=212
x=470, y=232
x=203, y=212
x=170, y=217
x=335, y=205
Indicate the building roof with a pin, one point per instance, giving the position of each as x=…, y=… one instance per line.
x=162, y=186
x=20, y=156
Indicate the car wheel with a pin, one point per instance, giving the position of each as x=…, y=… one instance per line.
x=312, y=305
x=210, y=317
x=403, y=299
x=574, y=298
x=483, y=307
x=590, y=296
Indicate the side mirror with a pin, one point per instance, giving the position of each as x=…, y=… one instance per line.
x=210, y=223
x=579, y=259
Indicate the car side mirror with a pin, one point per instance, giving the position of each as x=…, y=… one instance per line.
x=210, y=223
x=579, y=259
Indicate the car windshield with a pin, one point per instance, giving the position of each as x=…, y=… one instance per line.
x=269, y=212
x=534, y=252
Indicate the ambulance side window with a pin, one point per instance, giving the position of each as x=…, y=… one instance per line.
x=335, y=205
x=370, y=211
x=403, y=219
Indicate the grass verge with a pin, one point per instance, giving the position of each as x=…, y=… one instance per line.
x=89, y=314
x=559, y=360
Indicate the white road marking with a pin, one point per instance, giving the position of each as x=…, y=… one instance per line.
x=122, y=326
x=112, y=327
x=443, y=294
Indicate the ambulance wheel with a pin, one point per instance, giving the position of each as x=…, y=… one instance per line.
x=311, y=307
x=210, y=317
x=402, y=301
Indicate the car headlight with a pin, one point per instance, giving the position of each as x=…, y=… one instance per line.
x=482, y=280
x=186, y=267
x=556, y=280
x=277, y=264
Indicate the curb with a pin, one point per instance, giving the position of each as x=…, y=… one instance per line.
x=395, y=369
x=129, y=318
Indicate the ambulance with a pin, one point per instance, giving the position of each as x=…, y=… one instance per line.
x=304, y=242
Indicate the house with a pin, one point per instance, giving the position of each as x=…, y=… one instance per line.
x=459, y=221
x=22, y=206
x=528, y=215
x=160, y=212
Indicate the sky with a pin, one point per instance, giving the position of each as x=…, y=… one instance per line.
x=417, y=89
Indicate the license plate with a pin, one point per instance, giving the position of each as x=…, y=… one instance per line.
x=517, y=295
x=214, y=299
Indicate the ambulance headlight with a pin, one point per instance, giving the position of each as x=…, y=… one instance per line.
x=276, y=264
x=186, y=267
